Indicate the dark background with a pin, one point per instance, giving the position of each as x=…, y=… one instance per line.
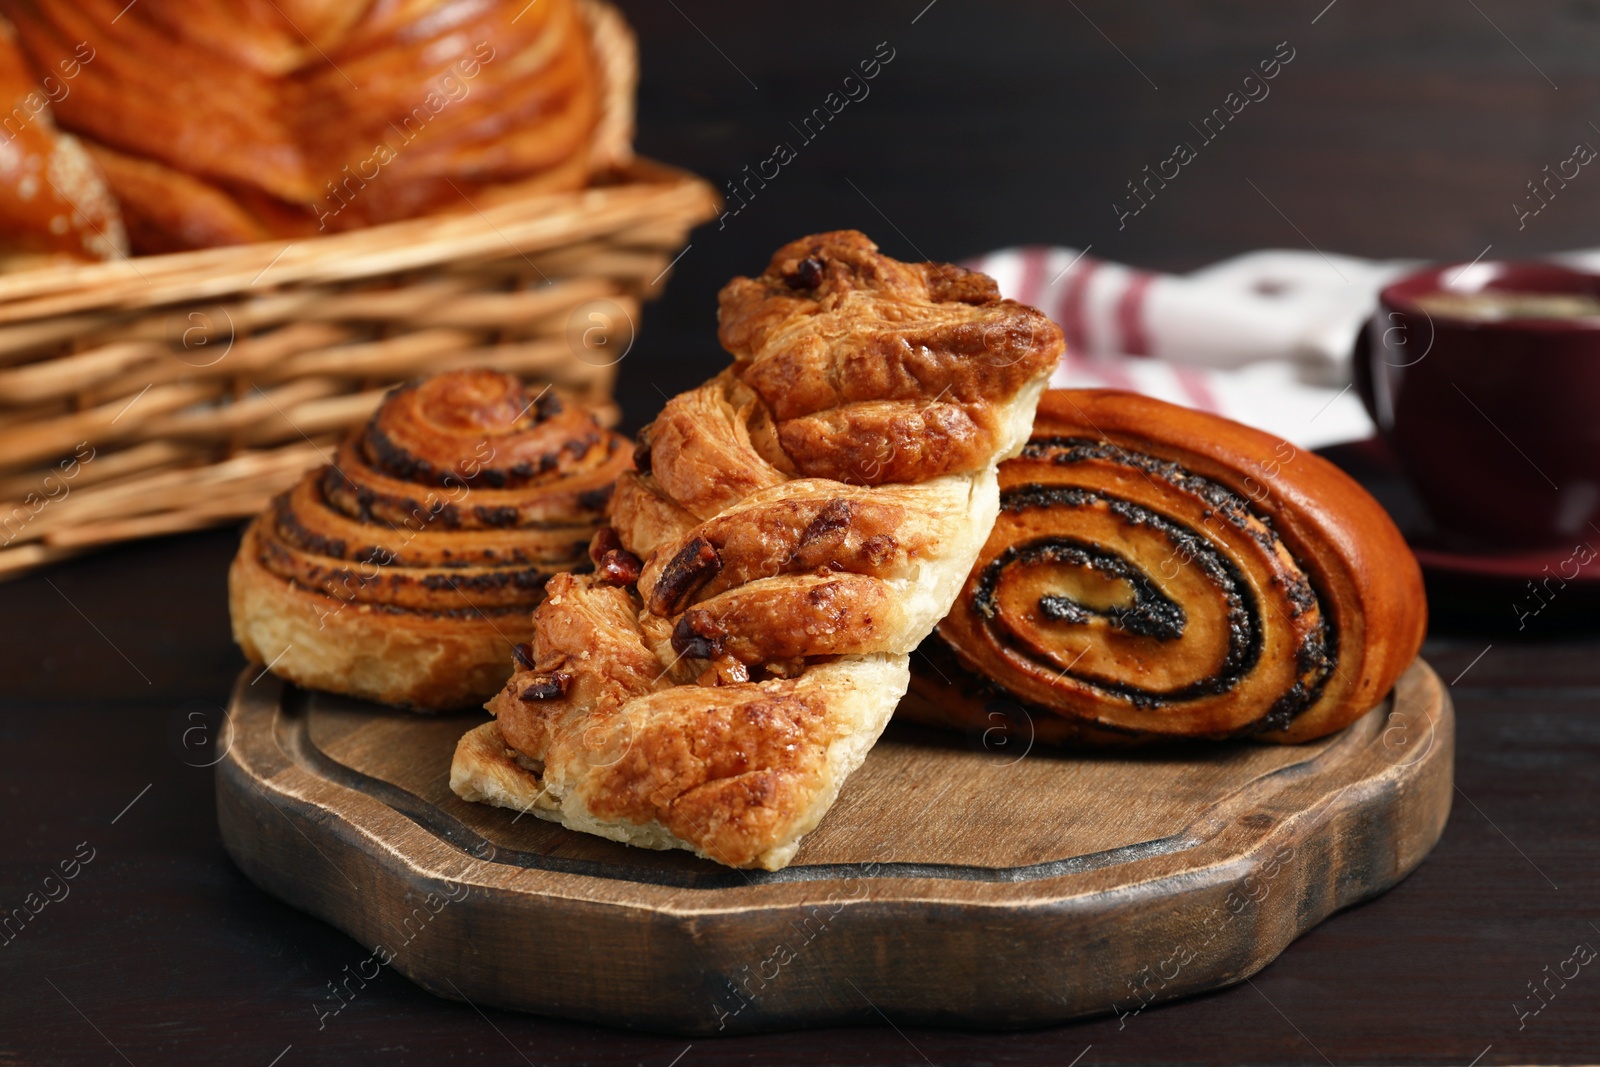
x=1399, y=129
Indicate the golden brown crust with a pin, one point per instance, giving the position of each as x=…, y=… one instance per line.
x=804, y=527
x=589, y=659
x=597, y=712
x=297, y=116
x=792, y=617
x=54, y=203
x=738, y=779
x=167, y=210
x=441, y=521
x=726, y=775
x=935, y=436
x=844, y=344
x=419, y=660
x=702, y=455
x=644, y=516
x=721, y=703
x=1163, y=572
x=485, y=770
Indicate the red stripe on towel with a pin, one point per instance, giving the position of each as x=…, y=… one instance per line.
x=1069, y=312
x=1030, y=287
x=1130, y=314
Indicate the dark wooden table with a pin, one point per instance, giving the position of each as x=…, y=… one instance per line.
x=116, y=666
x=1398, y=129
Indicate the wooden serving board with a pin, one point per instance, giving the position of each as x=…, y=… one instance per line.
x=954, y=883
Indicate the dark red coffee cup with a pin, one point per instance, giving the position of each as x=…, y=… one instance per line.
x=1495, y=421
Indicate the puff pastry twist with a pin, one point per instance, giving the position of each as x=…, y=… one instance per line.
x=800, y=523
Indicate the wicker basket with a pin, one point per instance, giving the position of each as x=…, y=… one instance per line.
x=166, y=393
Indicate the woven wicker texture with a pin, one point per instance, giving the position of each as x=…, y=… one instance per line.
x=167, y=393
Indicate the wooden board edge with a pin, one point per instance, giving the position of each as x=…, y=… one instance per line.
x=471, y=945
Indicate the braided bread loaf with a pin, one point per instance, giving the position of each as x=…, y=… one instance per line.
x=228, y=123
x=796, y=526
x=1159, y=573
x=404, y=571
x=54, y=203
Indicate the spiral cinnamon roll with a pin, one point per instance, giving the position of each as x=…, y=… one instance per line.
x=405, y=570
x=1160, y=573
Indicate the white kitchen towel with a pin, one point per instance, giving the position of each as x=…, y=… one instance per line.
x=1263, y=338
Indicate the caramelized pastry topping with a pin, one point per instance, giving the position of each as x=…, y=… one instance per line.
x=802, y=521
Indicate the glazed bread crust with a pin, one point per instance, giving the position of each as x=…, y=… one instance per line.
x=1161, y=573
x=55, y=205
x=230, y=123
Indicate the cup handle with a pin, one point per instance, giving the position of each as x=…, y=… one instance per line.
x=1361, y=369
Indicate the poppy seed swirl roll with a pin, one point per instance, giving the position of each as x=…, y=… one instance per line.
x=1161, y=573
x=405, y=570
